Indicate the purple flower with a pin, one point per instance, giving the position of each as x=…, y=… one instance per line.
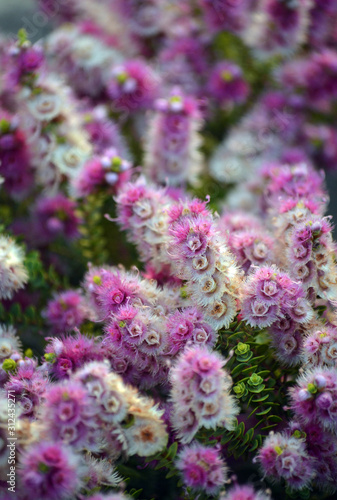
x=15, y=162
x=70, y=353
x=244, y=492
x=132, y=86
x=172, y=148
x=270, y=295
x=202, y=468
x=55, y=217
x=50, y=471
x=227, y=84
x=66, y=311
x=283, y=457
x=200, y=393
x=29, y=384
x=107, y=172
x=314, y=398
x=68, y=415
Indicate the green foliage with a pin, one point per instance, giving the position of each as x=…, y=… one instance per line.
x=93, y=241
x=258, y=386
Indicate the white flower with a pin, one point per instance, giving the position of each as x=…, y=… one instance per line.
x=146, y=437
x=9, y=342
x=221, y=312
x=69, y=160
x=13, y=275
x=45, y=106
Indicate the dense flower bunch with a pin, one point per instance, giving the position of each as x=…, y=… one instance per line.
x=173, y=144
x=286, y=457
x=200, y=394
x=168, y=276
x=202, y=468
x=270, y=295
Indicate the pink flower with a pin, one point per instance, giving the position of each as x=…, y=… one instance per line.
x=68, y=415
x=283, y=457
x=227, y=84
x=312, y=399
x=172, y=149
x=55, y=217
x=70, y=353
x=244, y=492
x=200, y=393
x=132, y=86
x=202, y=468
x=50, y=471
x=66, y=311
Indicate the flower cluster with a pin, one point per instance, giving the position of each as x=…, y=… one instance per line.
x=283, y=457
x=271, y=295
x=313, y=400
x=145, y=326
x=66, y=311
x=200, y=393
x=141, y=210
x=244, y=493
x=202, y=258
x=321, y=446
x=55, y=217
x=202, y=468
x=104, y=171
x=200, y=129
x=51, y=470
x=320, y=347
x=247, y=239
x=29, y=384
x=172, y=149
x=96, y=411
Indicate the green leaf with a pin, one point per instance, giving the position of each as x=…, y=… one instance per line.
x=2, y=311
x=249, y=436
x=257, y=390
x=172, y=473
x=162, y=463
x=226, y=439
x=233, y=446
x=264, y=412
x=238, y=369
x=231, y=337
x=237, y=455
x=22, y=36
x=262, y=398
x=15, y=310
x=157, y=456
x=172, y=451
x=244, y=358
x=257, y=358
x=274, y=418
x=255, y=445
x=30, y=313
x=239, y=431
x=249, y=368
x=267, y=427
x=135, y=493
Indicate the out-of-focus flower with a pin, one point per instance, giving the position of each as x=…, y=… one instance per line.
x=202, y=468
x=13, y=274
